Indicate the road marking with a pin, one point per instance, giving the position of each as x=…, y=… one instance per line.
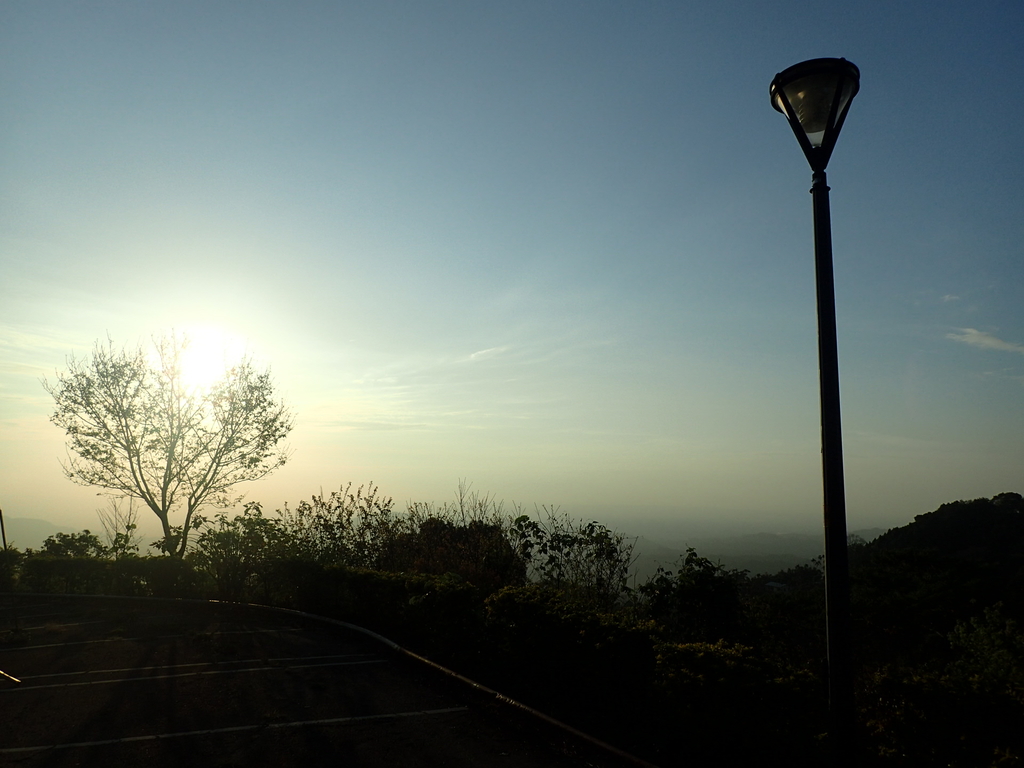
x=58, y=626
x=236, y=729
x=196, y=664
x=20, y=608
x=201, y=673
x=143, y=639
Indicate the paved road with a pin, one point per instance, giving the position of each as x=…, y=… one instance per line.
x=115, y=682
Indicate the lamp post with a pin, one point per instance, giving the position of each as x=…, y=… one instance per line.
x=815, y=96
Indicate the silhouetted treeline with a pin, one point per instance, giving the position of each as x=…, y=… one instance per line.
x=698, y=665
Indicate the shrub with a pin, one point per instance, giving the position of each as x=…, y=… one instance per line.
x=699, y=602
x=238, y=554
x=441, y=615
x=166, y=576
x=581, y=663
x=10, y=560
x=724, y=702
x=84, y=544
x=72, y=575
x=479, y=552
x=588, y=562
x=353, y=528
x=991, y=653
x=922, y=718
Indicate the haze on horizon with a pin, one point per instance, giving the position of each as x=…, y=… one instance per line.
x=559, y=250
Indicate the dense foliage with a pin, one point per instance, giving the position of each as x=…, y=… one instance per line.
x=698, y=665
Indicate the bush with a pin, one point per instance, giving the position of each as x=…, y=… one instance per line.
x=353, y=528
x=478, y=551
x=700, y=602
x=238, y=555
x=724, y=702
x=71, y=575
x=10, y=560
x=588, y=562
x=82, y=545
x=922, y=718
x=165, y=576
x=440, y=615
x=582, y=664
x=991, y=653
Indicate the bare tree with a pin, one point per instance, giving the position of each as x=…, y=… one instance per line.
x=135, y=429
x=120, y=526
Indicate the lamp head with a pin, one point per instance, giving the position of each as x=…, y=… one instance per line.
x=815, y=96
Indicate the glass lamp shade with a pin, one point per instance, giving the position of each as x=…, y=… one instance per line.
x=815, y=96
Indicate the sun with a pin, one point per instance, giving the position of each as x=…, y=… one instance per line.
x=208, y=355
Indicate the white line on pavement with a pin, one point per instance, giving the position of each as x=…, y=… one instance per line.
x=196, y=664
x=143, y=639
x=235, y=729
x=200, y=673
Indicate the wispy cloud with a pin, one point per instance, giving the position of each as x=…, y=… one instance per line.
x=984, y=340
x=373, y=426
x=487, y=353
x=950, y=297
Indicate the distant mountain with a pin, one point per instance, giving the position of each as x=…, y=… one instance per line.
x=25, y=532
x=754, y=552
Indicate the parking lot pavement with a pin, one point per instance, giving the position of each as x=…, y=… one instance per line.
x=109, y=682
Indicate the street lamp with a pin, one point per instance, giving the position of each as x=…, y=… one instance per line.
x=815, y=96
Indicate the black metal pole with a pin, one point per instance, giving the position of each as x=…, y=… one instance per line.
x=837, y=571
x=8, y=566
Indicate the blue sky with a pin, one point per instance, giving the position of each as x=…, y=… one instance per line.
x=561, y=250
